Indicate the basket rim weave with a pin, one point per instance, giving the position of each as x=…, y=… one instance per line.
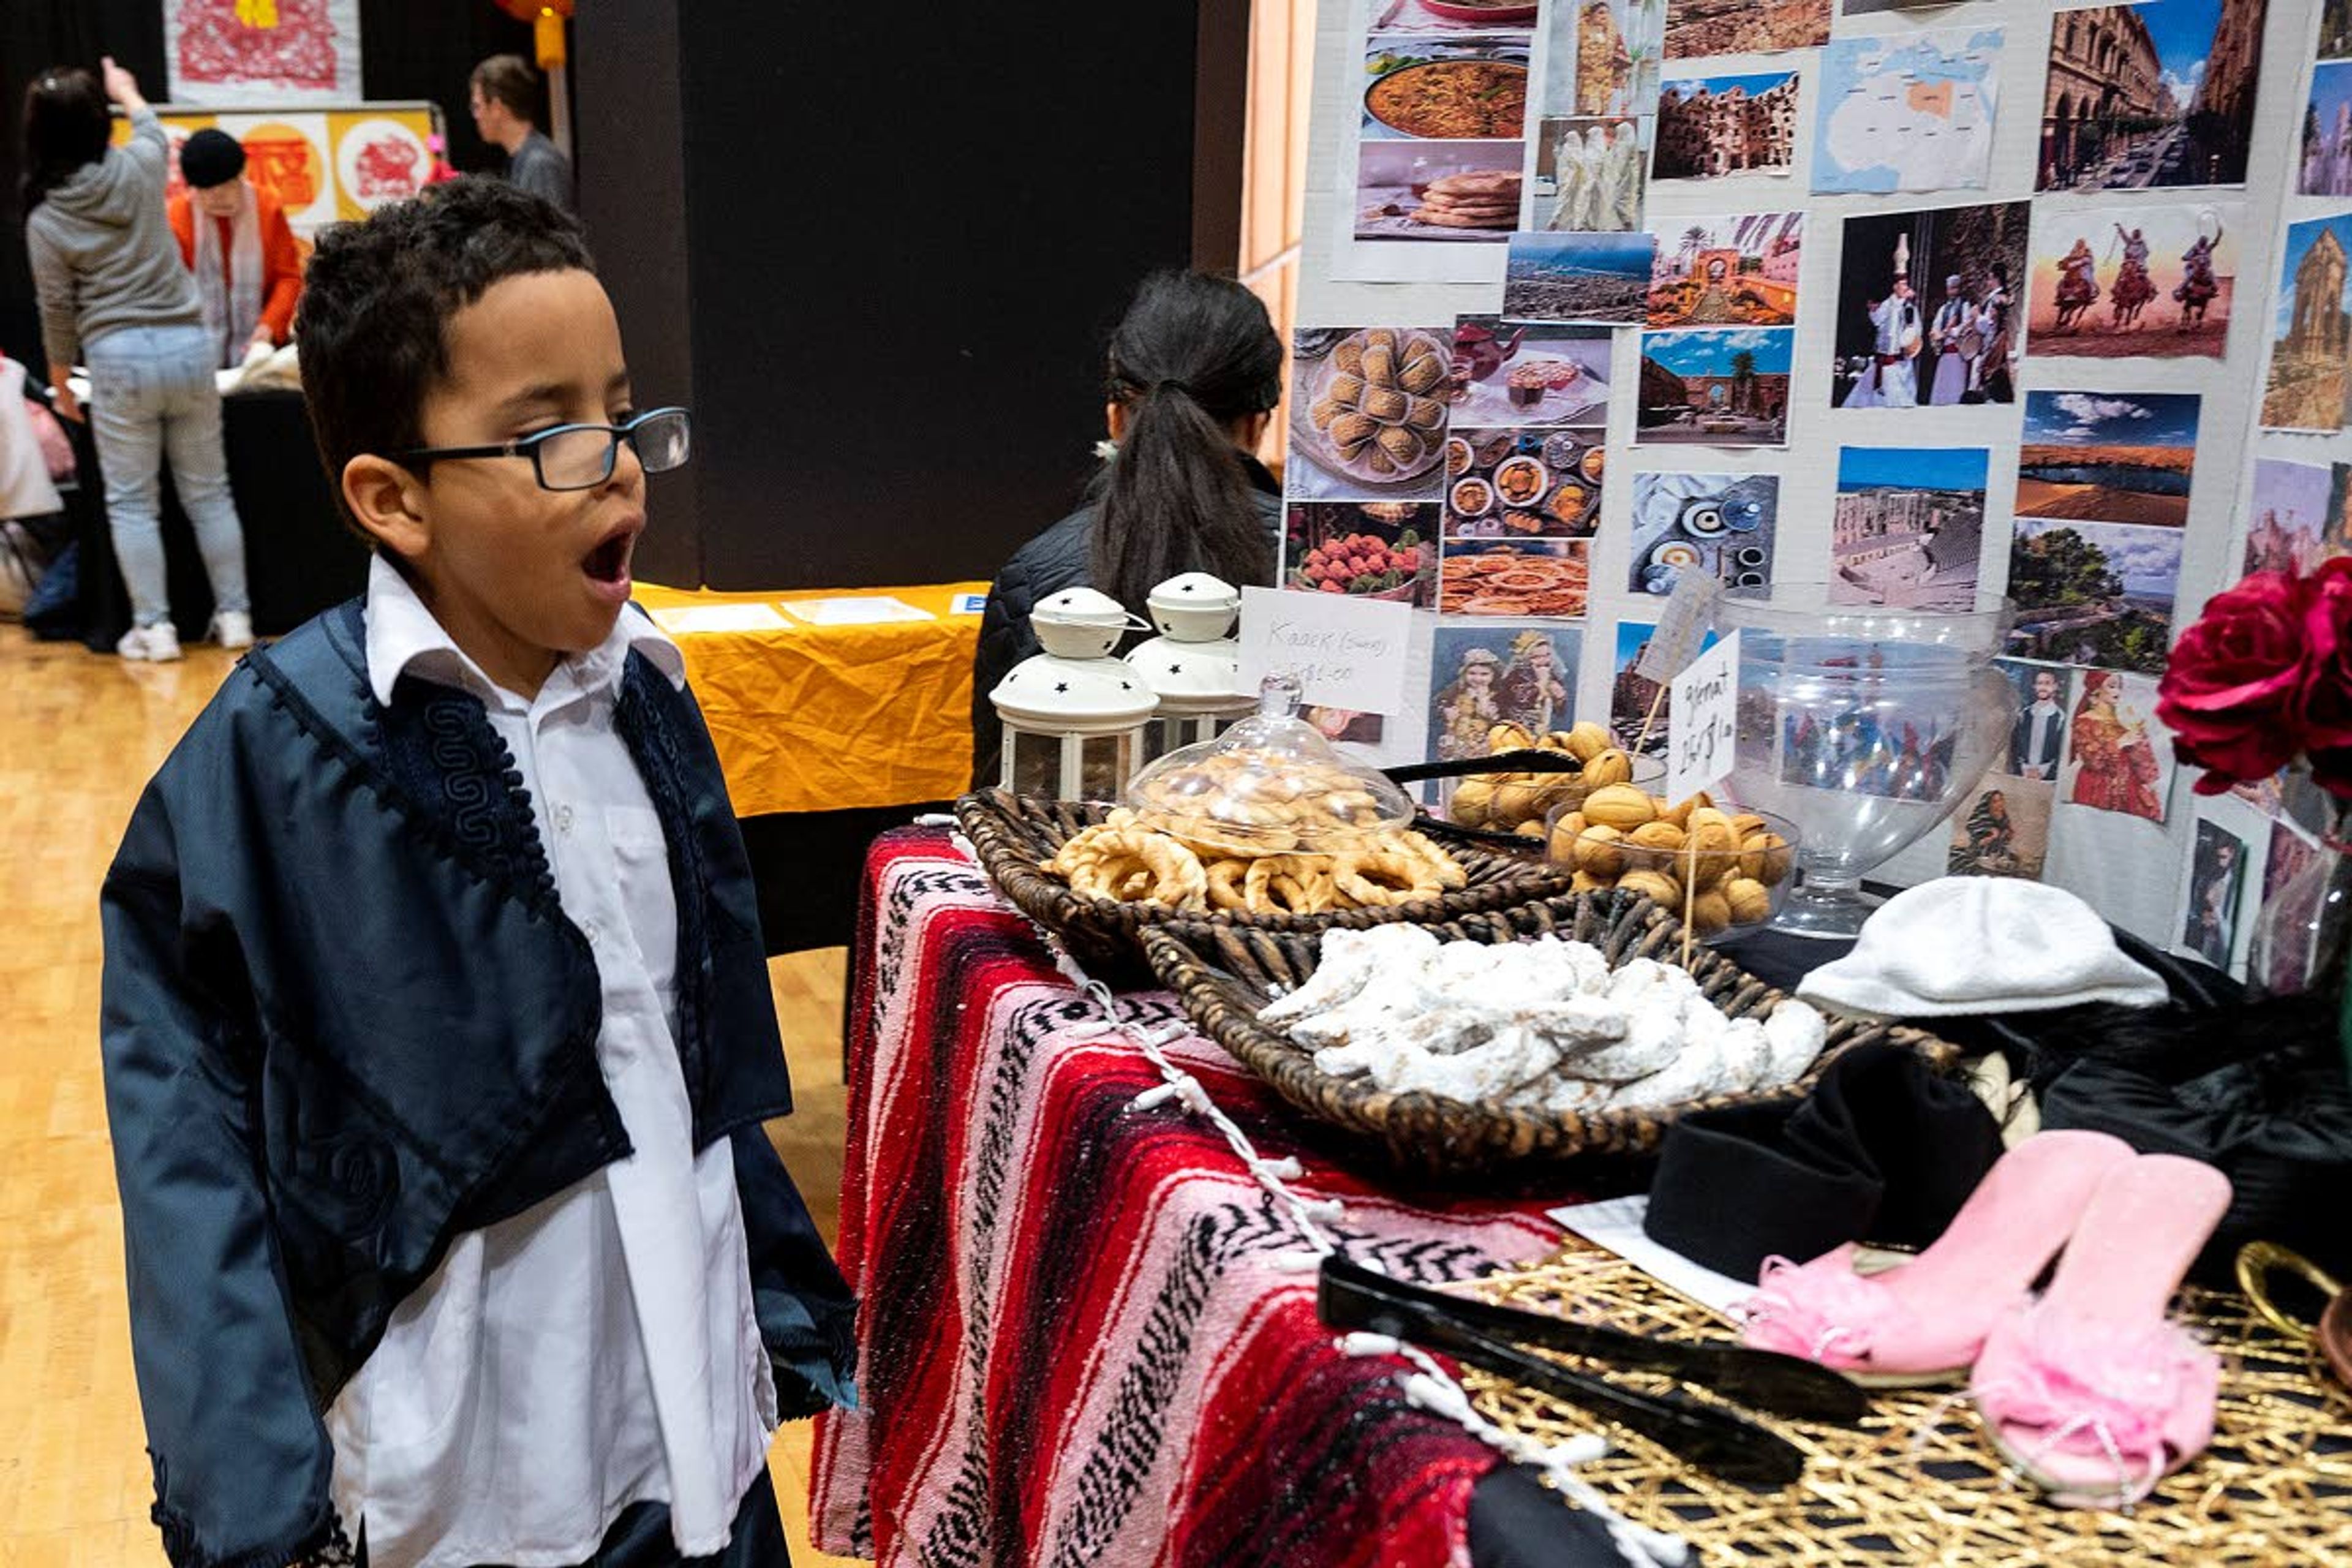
x=1222, y=976
x=1014, y=835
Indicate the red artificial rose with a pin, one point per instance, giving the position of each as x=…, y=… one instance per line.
x=2233, y=691
x=2324, y=709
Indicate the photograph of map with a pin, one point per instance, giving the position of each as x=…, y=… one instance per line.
x=1913, y=113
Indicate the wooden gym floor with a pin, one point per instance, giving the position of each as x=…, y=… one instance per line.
x=79, y=733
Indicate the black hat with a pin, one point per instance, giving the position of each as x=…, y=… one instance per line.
x=210, y=158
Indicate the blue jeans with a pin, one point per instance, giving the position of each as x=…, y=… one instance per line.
x=152, y=395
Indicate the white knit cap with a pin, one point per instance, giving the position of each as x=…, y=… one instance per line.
x=1962, y=945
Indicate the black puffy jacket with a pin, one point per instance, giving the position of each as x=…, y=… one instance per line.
x=1055, y=559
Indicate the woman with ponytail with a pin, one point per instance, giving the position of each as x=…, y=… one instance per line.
x=1195, y=372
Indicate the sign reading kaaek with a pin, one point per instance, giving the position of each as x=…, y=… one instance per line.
x=1345, y=652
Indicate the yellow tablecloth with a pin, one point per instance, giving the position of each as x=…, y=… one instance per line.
x=823, y=717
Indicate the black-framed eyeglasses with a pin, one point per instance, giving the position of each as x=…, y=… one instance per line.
x=581, y=456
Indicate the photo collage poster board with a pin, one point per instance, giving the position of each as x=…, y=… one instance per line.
x=1992, y=300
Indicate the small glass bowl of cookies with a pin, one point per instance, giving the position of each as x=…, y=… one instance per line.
x=1523, y=803
x=1724, y=870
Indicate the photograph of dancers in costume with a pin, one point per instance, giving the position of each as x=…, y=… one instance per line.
x=1926, y=313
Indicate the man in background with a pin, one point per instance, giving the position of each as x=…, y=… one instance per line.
x=236, y=238
x=505, y=101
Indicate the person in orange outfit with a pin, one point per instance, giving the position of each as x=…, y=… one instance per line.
x=249, y=269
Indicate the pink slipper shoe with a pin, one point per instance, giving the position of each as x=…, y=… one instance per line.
x=1924, y=1320
x=2090, y=1392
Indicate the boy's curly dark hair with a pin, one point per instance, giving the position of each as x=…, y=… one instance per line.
x=379, y=293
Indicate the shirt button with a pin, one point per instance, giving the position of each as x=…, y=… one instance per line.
x=563, y=819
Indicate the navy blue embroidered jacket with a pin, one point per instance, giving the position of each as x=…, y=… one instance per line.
x=345, y=1019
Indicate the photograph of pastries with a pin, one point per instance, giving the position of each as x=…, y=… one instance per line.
x=1368, y=416
x=1526, y=484
x=1544, y=577
x=1458, y=15
x=1446, y=190
x=1451, y=89
x=1527, y=373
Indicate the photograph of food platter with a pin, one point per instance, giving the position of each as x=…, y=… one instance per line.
x=1371, y=550
x=1434, y=88
x=2158, y=93
x=1521, y=374
x=2097, y=593
x=2118, y=281
x=1446, y=190
x=1524, y=484
x=2288, y=514
x=1590, y=176
x=1735, y=271
x=1718, y=523
x=1368, y=412
x=1700, y=27
x=1602, y=57
x=2326, y=168
x=1715, y=386
x=2100, y=456
x=1463, y=15
x=1928, y=306
x=1547, y=577
x=1598, y=278
x=1490, y=675
x=2310, y=330
x=1908, y=528
x=1710, y=126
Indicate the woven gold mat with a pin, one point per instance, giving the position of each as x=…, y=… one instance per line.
x=1918, y=1482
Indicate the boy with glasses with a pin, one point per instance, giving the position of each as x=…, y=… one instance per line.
x=436, y=1026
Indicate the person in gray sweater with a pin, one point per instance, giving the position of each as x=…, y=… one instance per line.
x=504, y=98
x=115, y=296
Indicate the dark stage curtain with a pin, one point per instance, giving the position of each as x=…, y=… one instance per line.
x=408, y=49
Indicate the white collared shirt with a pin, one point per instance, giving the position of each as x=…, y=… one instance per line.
x=601, y=1349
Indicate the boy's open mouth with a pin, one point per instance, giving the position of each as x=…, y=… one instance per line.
x=609, y=561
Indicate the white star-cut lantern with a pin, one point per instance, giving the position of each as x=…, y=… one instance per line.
x=1074, y=715
x=1194, y=665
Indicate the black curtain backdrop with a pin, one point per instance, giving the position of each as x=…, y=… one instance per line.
x=902, y=259
x=408, y=49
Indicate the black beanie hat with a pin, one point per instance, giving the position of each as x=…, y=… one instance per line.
x=210, y=158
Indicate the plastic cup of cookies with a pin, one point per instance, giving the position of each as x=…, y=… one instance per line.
x=1726, y=870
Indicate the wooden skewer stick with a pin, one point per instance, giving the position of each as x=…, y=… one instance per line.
x=1690, y=893
x=1650, y=719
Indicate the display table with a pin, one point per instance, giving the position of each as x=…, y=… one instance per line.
x=828, y=735
x=1078, y=1339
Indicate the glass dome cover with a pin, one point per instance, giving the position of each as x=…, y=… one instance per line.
x=1270, y=784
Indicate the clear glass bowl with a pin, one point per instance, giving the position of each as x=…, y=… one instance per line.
x=1505, y=803
x=1863, y=725
x=1733, y=888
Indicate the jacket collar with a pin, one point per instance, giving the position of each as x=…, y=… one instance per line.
x=403, y=638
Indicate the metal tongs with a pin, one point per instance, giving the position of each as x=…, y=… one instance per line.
x=1715, y=1438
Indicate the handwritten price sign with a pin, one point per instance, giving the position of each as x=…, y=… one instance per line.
x=1703, y=726
x=1345, y=652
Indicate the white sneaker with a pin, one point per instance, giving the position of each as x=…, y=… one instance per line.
x=158, y=643
x=232, y=629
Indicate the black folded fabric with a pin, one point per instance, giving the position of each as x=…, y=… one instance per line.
x=2257, y=1092
x=1882, y=1150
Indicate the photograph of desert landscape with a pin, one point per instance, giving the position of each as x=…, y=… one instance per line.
x=2091, y=457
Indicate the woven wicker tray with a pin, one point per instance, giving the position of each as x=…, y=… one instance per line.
x=1225, y=974
x=1014, y=835
x=1918, y=1482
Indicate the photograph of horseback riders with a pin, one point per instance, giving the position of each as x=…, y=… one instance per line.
x=2117, y=282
